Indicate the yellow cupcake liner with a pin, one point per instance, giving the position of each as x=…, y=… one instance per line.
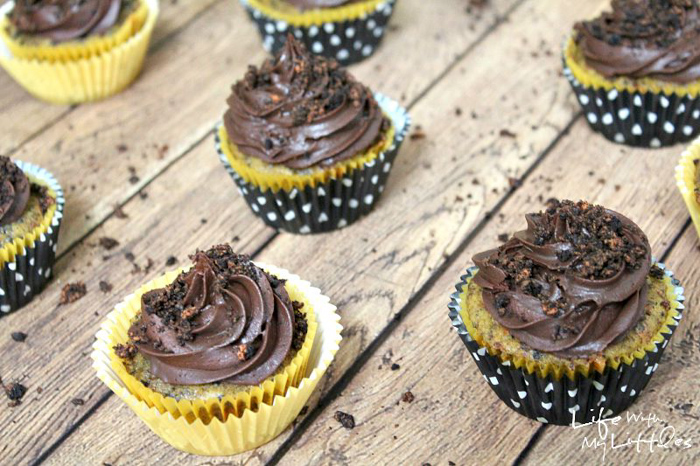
x=19, y=245
x=573, y=57
x=580, y=366
x=282, y=11
x=685, y=180
x=232, y=424
x=275, y=178
x=77, y=49
x=85, y=79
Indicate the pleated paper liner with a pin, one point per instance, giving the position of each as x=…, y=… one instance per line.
x=223, y=405
x=224, y=426
x=85, y=79
x=322, y=205
x=44, y=49
x=643, y=113
x=685, y=180
x=349, y=33
x=26, y=264
x=564, y=400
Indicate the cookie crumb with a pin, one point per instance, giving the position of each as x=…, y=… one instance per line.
x=72, y=292
x=345, y=419
x=19, y=337
x=656, y=272
x=105, y=287
x=395, y=367
x=14, y=391
x=408, y=397
x=127, y=351
x=170, y=261
x=78, y=401
x=108, y=243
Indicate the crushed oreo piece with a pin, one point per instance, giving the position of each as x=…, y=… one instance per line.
x=127, y=351
x=408, y=397
x=656, y=272
x=14, y=391
x=105, y=287
x=72, y=292
x=108, y=243
x=19, y=337
x=345, y=419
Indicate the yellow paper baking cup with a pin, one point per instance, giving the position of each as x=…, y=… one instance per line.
x=581, y=366
x=283, y=11
x=589, y=77
x=685, y=180
x=221, y=427
x=76, y=49
x=85, y=79
x=274, y=177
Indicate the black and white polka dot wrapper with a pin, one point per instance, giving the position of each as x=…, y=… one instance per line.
x=638, y=119
x=28, y=274
x=334, y=204
x=349, y=41
x=563, y=401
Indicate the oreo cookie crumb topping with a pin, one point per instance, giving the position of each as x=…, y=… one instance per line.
x=72, y=292
x=345, y=419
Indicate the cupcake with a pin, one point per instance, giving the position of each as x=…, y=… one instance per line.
x=688, y=181
x=636, y=71
x=567, y=320
x=347, y=30
x=72, y=51
x=309, y=147
x=220, y=358
x=31, y=209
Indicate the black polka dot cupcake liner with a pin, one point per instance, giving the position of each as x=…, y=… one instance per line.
x=334, y=204
x=28, y=273
x=564, y=401
x=349, y=41
x=638, y=119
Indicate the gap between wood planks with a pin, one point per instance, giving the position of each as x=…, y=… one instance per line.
x=542, y=428
x=154, y=46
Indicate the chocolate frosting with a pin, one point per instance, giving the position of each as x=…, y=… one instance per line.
x=572, y=283
x=225, y=320
x=14, y=191
x=313, y=4
x=653, y=38
x=63, y=20
x=300, y=111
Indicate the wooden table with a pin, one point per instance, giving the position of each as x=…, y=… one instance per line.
x=503, y=133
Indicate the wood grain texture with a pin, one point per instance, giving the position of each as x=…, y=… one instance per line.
x=671, y=396
x=24, y=117
x=163, y=220
x=456, y=415
x=373, y=269
x=71, y=268
x=167, y=110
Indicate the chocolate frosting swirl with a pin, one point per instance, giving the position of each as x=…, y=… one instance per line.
x=300, y=111
x=658, y=39
x=313, y=4
x=63, y=20
x=14, y=191
x=224, y=320
x=572, y=283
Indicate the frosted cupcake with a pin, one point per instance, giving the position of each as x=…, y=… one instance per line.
x=568, y=319
x=636, y=71
x=31, y=209
x=219, y=358
x=347, y=30
x=309, y=147
x=71, y=51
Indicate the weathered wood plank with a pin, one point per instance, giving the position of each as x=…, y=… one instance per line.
x=373, y=269
x=455, y=414
x=24, y=117
x=671, y=396
x=163, y=221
